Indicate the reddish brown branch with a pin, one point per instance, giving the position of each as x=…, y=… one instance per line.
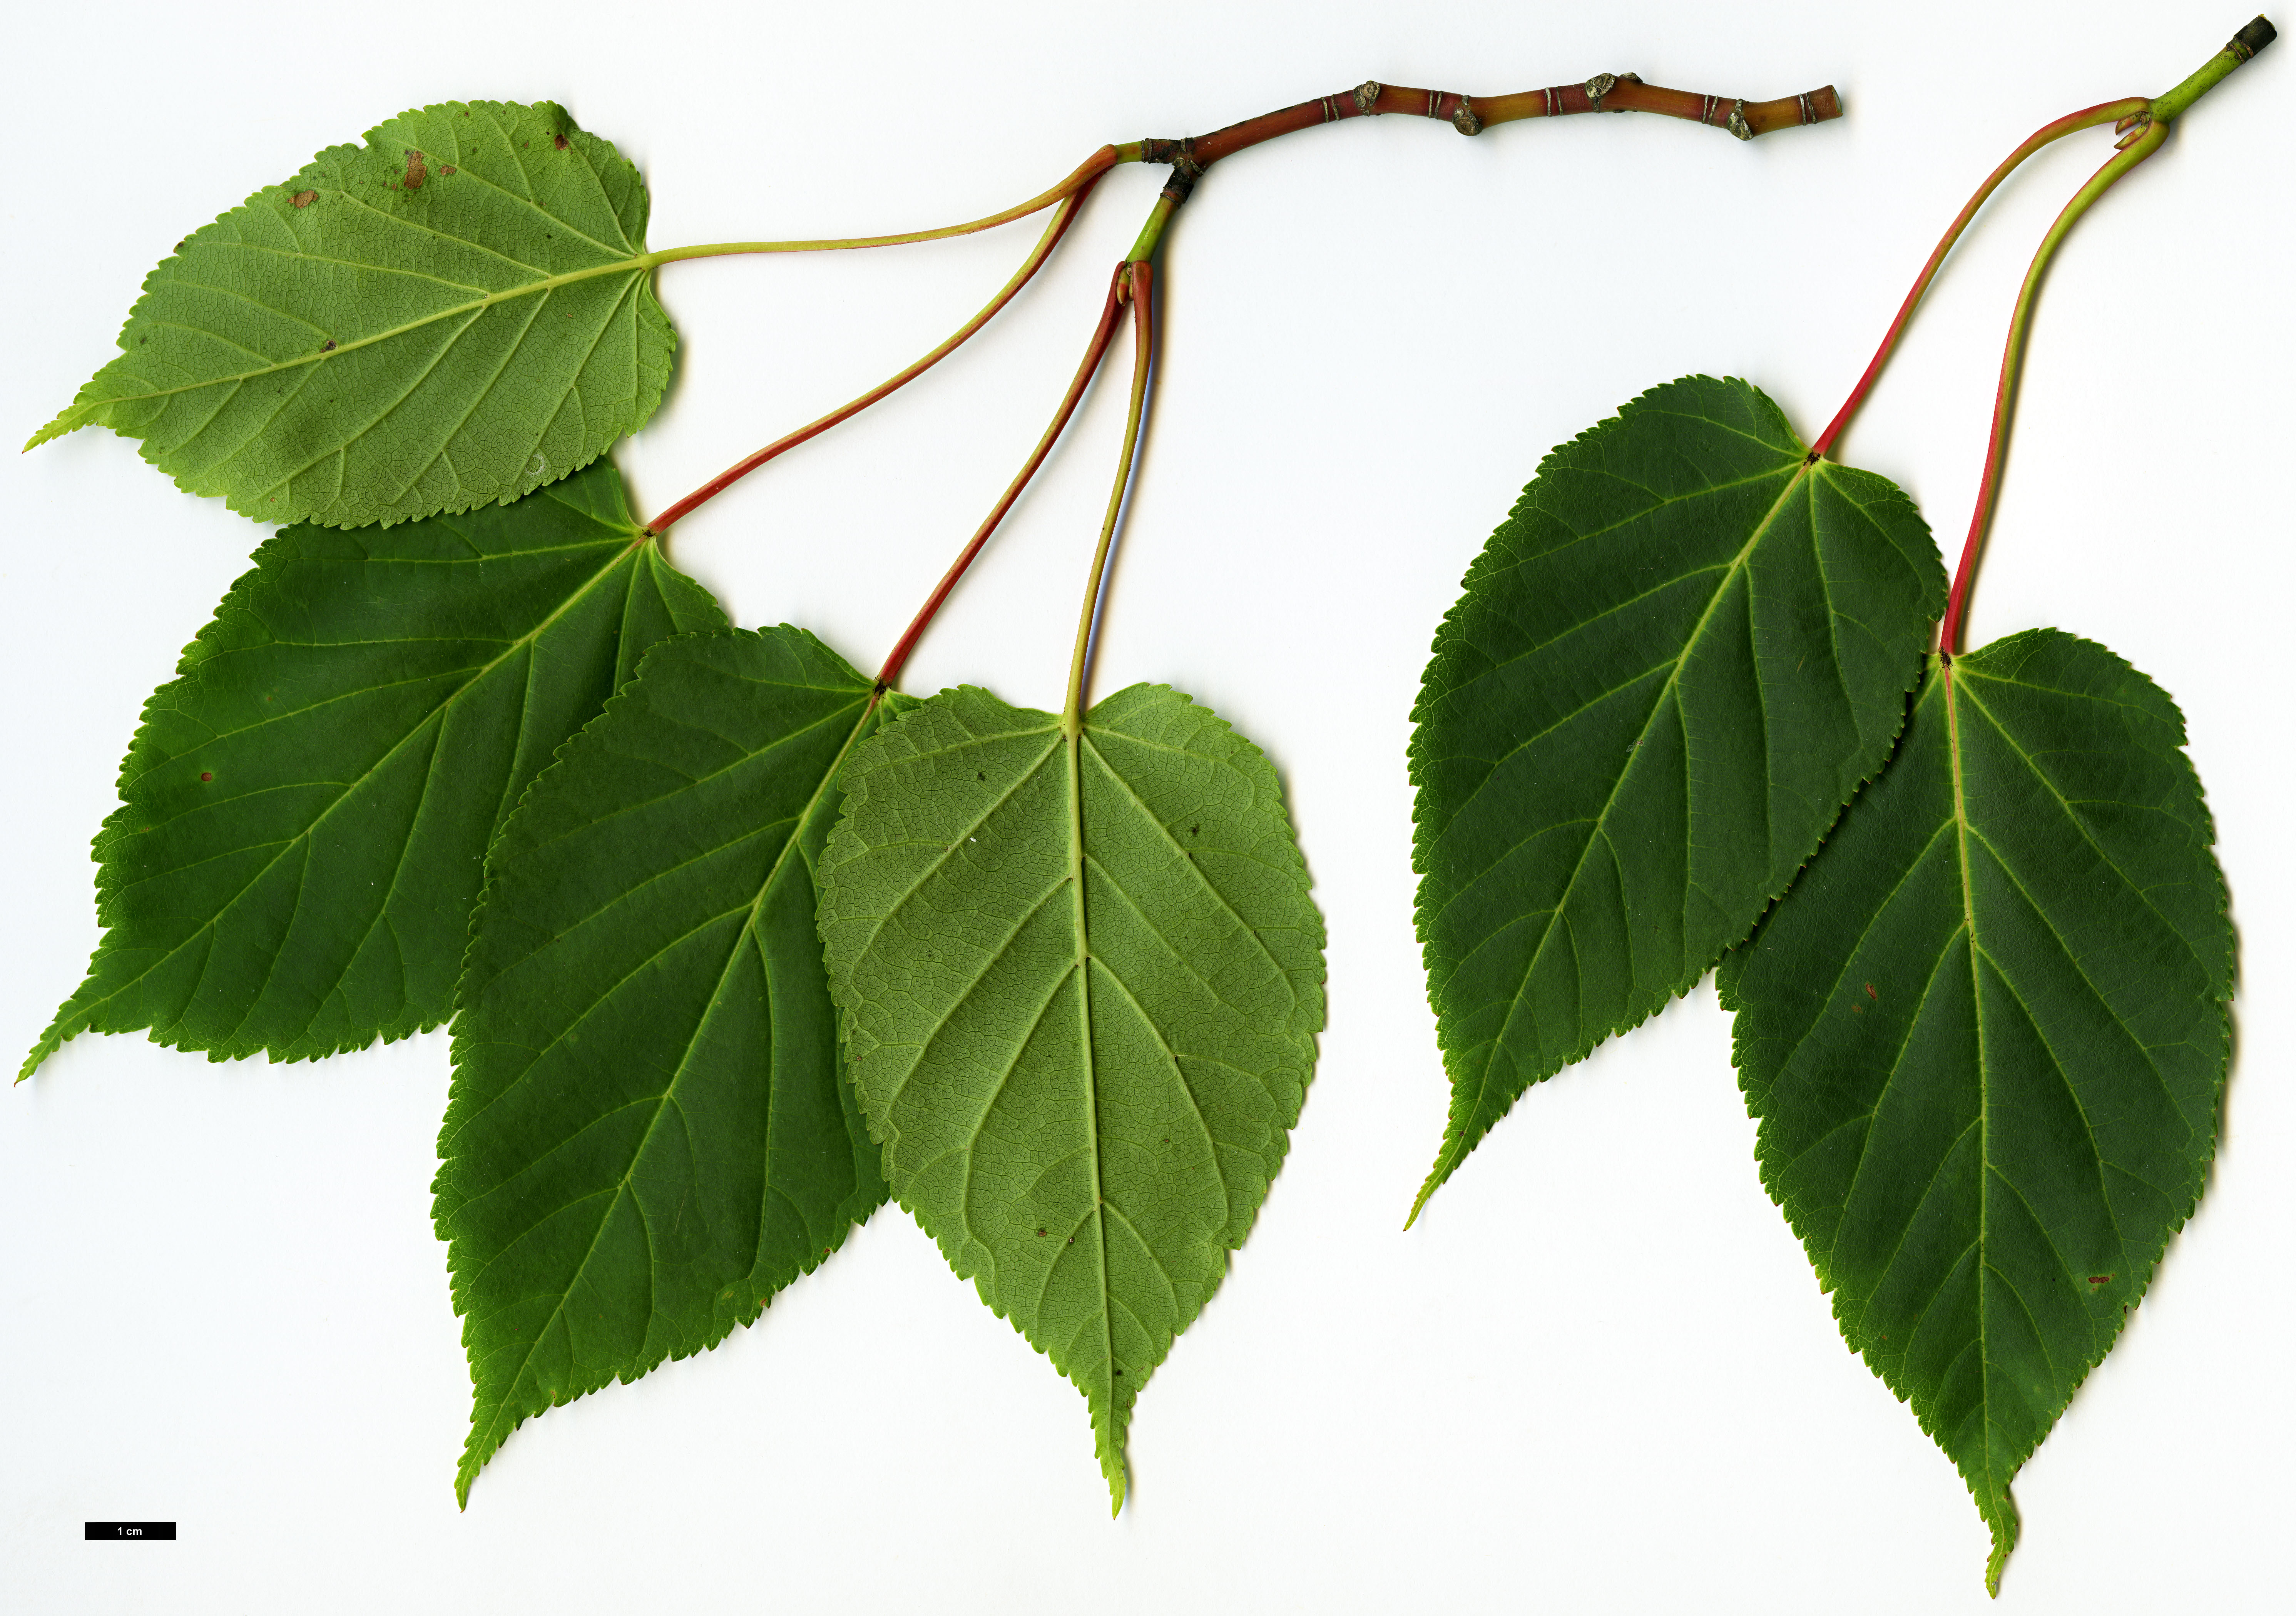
x=1472, y=114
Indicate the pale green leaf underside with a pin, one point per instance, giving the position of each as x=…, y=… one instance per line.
x=1669, y=670
x=306, y=810
x=1985, y=1036
x=648, y=1134
x=1080, y=985
x=454, y=314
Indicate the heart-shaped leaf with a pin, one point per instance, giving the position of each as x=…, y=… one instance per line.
x=1985, y=1036
x=1081, y=980
x=648, y=1134
x=306, y=810
x=1671, y=666
x=459, y=311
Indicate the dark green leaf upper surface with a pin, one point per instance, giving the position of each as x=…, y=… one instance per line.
x=1669, y=668
x=1080, y=980
x=306, y=810
x=649, y=1135
x=451, y=315
x=1985, y=1036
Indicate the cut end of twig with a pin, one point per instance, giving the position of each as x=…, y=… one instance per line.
x=1740, y=116
x=2243, y=46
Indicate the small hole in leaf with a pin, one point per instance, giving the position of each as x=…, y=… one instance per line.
x=1194, y=829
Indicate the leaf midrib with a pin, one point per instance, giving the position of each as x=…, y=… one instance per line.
x=78, y=413
x=1073, y=736
x=1984, y=1074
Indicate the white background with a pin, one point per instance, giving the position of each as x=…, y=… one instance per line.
x=1598, y=1375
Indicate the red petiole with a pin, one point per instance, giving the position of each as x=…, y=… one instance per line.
x=1062, y=217
x=2142, y=124
x=1095, y=352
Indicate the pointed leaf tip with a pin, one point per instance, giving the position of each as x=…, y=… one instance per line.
x=648, y=1136
x=1671, y=665
x=288, y=872
x=1080, y=980
x=1985, y=1040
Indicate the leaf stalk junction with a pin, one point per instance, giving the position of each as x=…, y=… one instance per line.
x=2142, y=123
x=1132, y=281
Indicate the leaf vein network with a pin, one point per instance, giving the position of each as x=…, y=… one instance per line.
x=932, y=868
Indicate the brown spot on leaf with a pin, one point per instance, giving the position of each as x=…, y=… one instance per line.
x=2100, y=1279
x=205, y=775
x=562, y=142
x=1871, y=993
x=304, y=199
x=415, y=172
x=1040, y=1232
x=447, y=168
